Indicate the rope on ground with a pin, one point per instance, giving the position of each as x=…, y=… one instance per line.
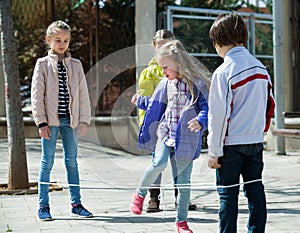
x=192, y=186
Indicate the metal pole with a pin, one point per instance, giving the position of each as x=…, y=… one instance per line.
x=169, y=20
x=278, y=73
x=252, y=34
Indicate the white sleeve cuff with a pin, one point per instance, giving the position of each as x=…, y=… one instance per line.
x=215, y=152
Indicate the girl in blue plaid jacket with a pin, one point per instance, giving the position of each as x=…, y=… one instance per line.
x=176, y=116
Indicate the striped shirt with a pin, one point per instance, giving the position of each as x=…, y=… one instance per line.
x=177, y=92
x=63, y=94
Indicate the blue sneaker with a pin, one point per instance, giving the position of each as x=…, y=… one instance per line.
x=81, y=212
x=44, y=214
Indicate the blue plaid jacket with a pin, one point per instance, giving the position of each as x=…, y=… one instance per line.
x=187, y=144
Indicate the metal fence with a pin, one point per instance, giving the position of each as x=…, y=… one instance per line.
x=191, y=26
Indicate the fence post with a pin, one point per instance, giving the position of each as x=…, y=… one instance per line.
x=169, y=19
x=252, y=35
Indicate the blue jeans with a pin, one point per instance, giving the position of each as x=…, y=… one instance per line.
x=157, y=182
x=183, y=174
x=70, y=142
x=245, y=160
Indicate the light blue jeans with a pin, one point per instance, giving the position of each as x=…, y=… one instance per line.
x=184, y=170
x=70, y=143
x=173, y=162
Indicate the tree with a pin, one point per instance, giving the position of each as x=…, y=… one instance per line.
x=18, y=174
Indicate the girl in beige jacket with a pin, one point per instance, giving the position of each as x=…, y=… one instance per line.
x=60, y=103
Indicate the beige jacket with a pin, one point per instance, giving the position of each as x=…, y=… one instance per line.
x=44, y=91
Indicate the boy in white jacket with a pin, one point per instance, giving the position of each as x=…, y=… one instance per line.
x=241, y=105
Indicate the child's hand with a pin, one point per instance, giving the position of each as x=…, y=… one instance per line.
x=45, y=132
x=82, y=129
x=194, y=125
x=213, y=162
x=134, y=99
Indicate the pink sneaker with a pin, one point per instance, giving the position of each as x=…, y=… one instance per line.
x=182, y=227
x=137, y=202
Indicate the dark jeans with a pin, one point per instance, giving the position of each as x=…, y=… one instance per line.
x=245, y=160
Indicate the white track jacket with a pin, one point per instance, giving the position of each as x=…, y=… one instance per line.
x=241, y=102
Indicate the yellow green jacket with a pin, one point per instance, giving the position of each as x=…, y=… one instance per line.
x=147, y=82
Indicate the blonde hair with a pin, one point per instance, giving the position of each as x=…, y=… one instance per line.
x=57, y=25
x=189, y=67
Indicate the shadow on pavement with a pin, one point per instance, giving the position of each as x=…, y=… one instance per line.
x=138, y=219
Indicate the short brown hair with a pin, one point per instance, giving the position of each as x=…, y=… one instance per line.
x=229, y=29
x=162, y=34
